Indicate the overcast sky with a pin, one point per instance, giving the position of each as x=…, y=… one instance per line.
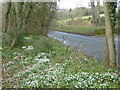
x=67, y=4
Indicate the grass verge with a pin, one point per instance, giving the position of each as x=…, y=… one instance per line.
x=95, y=30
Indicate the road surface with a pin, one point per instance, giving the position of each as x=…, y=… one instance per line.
x=90, y=45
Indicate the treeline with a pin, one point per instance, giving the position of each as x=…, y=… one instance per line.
x=27, y=18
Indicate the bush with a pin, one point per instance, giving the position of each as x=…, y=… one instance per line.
x=6, y=39
x=42, y=44
x=10, y=35
x=100, y=32
x=20, y=39
x=102, y=20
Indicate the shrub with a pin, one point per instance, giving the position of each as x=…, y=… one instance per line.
x=6, y=39
x=43, y=45
x=10, y=35
x=100, y=32
x=102, y=20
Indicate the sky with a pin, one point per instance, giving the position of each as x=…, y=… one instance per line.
x=67, y=4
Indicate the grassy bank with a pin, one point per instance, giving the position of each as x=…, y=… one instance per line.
x=45, y=62
x=95, y=30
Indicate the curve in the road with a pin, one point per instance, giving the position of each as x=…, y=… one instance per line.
x=90, y=45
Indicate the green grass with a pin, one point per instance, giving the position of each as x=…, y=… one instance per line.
x=55, y=65
x=84, y=18
x=87, y=17
x=81, y=30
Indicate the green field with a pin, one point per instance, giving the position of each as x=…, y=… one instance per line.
x=84, y=17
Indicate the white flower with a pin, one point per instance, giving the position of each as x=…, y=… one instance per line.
x=24, y=47
x=97, y=73
x=42, y=53
x=112, y=76
x=1, y=48
x=42, y=60
x=85, y=59
x=106, y=74
x=30, y=48
x=90, y=77
x=76, y=86
x=9, y=63
x=17, y=53
x=79, y=83
x=27, y=38
x=104, y=84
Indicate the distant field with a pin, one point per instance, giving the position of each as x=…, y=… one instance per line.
x=84, y=17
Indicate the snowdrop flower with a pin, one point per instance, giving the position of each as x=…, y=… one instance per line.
x=84, y=73
x=9, y=63
x=27, y=38
x=112, y=76
x=85, y=59
x=106, y=74
x=57, y=64
x=24, y=47
x=17, y=53
x=76, y=86
x=14, y=53
x=104, y=84
x=55, y=38
x=97, y=73
x=1, y=48
x=90, y=77
x=86, y=85
x=113, y=80
x=98, y=81
x=42, y=53
x=29, y=48
x=79, y=83
x=43, y=60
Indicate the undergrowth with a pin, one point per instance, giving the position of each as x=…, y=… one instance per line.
x=46, y=62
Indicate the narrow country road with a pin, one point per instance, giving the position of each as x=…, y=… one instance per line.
x=90, y=45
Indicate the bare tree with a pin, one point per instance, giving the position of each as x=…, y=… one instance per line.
x=22, y=13
x=95, y=11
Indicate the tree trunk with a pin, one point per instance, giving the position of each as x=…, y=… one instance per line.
x=9, y=4
x=106, y=60
x=93, y=12
x=109, y=36
x=14, y=41
x=119, y=38
x=98, y=11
